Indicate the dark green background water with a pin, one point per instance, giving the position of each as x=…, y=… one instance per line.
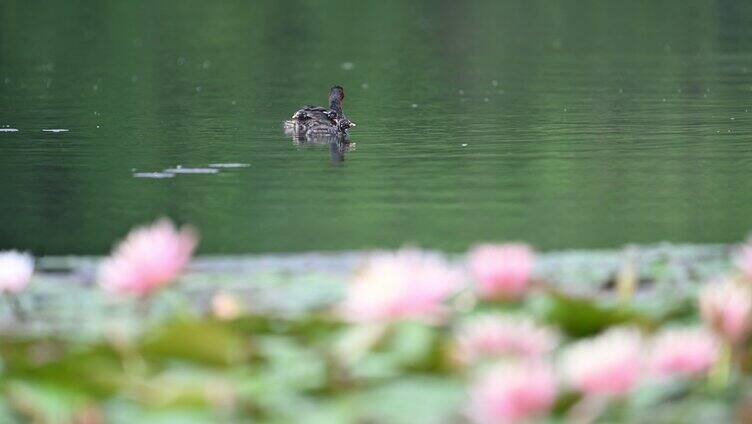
x=608, y=122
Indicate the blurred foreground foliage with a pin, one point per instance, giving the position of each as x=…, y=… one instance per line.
x=309, y=368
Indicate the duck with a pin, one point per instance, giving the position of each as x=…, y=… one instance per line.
x=316, y=122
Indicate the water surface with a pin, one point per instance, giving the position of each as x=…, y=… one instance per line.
x=571, y=126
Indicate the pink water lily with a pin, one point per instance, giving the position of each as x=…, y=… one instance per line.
x=501, y=271
x=149, y=258
x=225, y=306
x=726, y=307
x=16, y=269
x=683, y=352
x=513, y=393
x=743, y=260
x=407, y=284
x=606, y=365
x=494, y=336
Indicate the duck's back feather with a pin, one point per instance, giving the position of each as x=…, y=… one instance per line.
x=315, y=112
x=315, y=121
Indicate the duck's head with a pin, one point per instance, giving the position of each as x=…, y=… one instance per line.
x=337, y=94
x=345, y=124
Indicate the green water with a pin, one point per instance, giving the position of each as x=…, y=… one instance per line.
x=567, y=124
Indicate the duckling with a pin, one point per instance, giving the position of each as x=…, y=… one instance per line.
x=312, y=122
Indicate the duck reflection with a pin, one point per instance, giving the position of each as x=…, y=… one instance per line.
x=339, y=147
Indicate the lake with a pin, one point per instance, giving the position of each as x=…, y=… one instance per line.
x=587, y=126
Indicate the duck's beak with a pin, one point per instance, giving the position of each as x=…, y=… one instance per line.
x=352, y=124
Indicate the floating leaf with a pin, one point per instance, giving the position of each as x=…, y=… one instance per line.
x=207, y=342
x=96, y=371
x=45, y=403
x=582, y=317
x=412, y=400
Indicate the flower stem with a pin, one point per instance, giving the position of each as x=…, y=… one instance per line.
x=626, y=280
x=143, y=308
x=721, y=372
x=15, y=307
